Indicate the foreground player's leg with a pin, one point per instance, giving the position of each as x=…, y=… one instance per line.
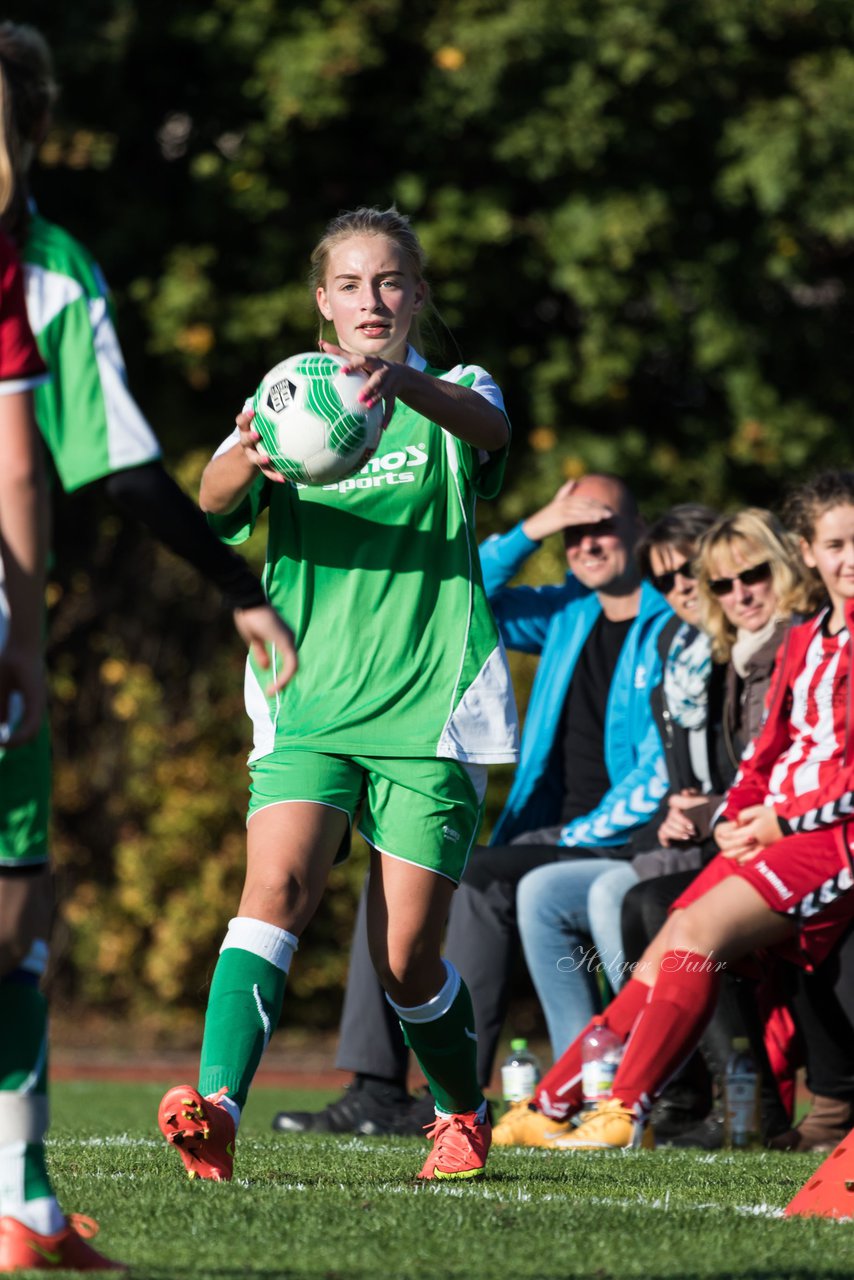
x=25, y=1190
x=34, y=1232
x=249, y=982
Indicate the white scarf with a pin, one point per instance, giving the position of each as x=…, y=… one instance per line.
x=748, y=643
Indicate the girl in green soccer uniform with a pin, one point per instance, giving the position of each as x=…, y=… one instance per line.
x=33, y=1230
x=96, y=435
x=402, y=698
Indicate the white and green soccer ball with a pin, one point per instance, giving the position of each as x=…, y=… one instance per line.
x=311, y=423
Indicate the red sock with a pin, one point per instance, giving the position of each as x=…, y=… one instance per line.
x=668, y=1029
x=559, y=1092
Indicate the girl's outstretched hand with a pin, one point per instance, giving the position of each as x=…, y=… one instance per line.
x=249, y=439
x=384, y=378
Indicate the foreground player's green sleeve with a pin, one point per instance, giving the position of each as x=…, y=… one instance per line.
x=91, y=423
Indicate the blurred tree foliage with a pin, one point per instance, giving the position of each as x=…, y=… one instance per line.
x=639, y=217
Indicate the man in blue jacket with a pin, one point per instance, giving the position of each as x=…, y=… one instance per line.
x=591, y=772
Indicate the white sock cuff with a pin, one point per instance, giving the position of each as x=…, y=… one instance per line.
x=268, y=941
x=438, y=1006
x=23, y=1117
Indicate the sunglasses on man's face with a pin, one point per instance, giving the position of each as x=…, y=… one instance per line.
x=747, y=578
x=665, y=582
x=574, y=534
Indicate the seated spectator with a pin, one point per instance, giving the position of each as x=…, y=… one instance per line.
x=569, y=912
x=783, y=881
x=590, y=773
x=746, y=624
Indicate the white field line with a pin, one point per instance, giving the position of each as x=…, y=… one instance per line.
x=518, y=1195
x=112, y=1140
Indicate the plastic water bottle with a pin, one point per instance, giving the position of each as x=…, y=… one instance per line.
x=601, y=1051
x=741, y=1097
x=520, y=1073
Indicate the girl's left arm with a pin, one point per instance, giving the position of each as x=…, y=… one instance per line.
x=464, y=412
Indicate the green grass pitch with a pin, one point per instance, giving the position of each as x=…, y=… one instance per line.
x=315, y=1208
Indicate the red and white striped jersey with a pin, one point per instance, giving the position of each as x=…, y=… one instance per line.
x=802, y=760
x=817, y=719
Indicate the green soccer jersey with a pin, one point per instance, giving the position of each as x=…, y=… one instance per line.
x=91, y=423
x=379, y=576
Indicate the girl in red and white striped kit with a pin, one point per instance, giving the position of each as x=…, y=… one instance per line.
x=784, y=877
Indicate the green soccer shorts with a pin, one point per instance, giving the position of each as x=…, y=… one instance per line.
x=25, y=802
x=426, y=811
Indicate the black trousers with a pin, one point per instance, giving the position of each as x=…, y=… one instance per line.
x=482, y=942
x=823, y=1004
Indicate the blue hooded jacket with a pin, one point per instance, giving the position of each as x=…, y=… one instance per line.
x=555, y=621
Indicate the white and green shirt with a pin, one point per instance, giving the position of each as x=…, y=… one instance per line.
x=91, y=423
x=379, y=576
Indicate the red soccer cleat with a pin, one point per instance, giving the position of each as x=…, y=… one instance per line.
x=22, y=1249
x=461, y=1143
x=200, y=1130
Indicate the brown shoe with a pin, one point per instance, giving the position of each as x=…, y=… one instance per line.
x=828, y=1121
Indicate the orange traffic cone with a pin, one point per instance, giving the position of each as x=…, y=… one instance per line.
x=829, y=1192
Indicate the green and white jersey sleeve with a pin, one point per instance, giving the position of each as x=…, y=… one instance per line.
x=91, y=423
x=379, y=576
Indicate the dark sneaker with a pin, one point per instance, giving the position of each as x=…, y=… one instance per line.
x=708, y=1135
x=670, y=1118
x=358, y=1110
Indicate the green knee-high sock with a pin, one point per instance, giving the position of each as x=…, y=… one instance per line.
x=244, y=1005
x=441, y=1035
x=23, y=1092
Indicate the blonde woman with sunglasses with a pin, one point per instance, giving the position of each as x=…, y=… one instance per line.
x=751, y=582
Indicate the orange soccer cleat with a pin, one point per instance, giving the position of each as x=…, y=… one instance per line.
x=22, y=1249
x=200, y=1129
x=461, y=1144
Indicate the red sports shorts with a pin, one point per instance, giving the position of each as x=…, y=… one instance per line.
x=800, y=876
